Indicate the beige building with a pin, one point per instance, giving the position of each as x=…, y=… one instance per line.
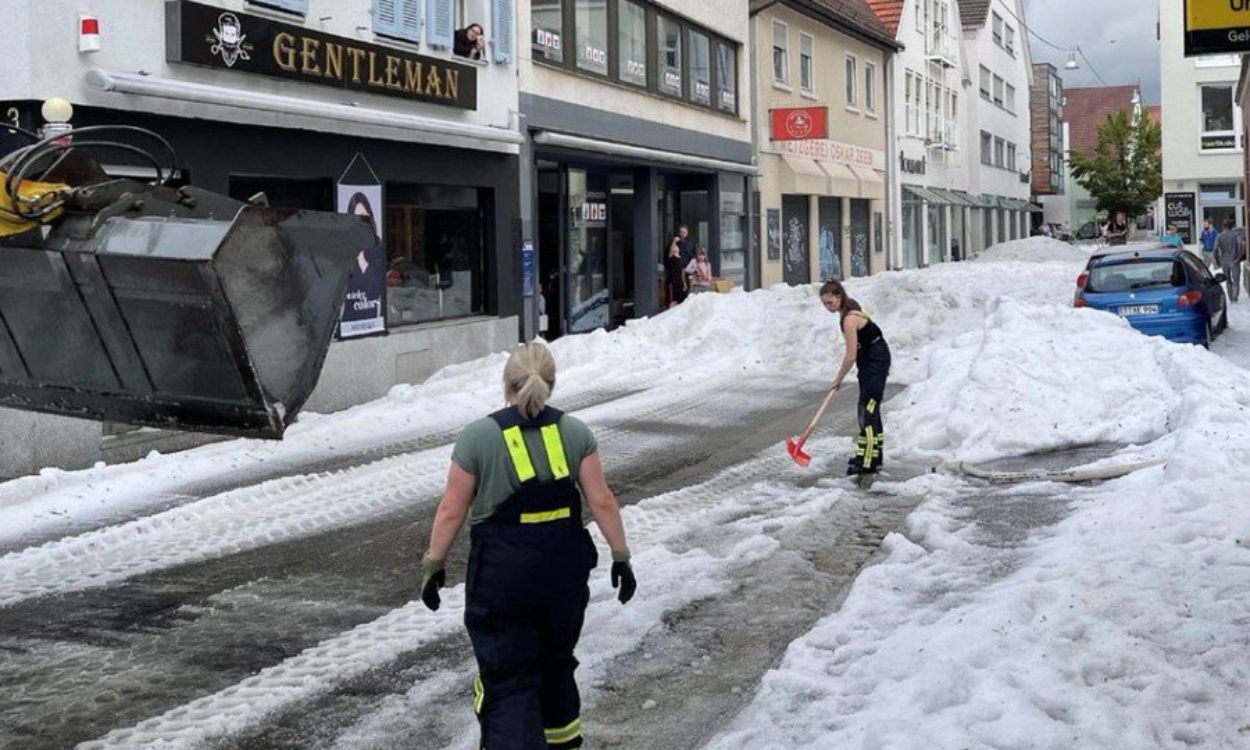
x=822, y=111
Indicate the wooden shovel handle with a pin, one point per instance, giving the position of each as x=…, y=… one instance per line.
x=819, y=413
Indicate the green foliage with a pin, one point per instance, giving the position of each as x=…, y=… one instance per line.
x=1126, y=171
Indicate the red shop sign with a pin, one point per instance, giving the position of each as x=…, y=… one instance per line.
x=800, y=123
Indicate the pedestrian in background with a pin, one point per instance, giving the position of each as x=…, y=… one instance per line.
x=1171, y=237
x=681, y=241
x=1229, y=254
x=699, y=272
x=674, y=276
x=1207, y=238
x=522, y=472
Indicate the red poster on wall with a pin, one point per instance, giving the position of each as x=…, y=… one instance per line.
x=800, y=123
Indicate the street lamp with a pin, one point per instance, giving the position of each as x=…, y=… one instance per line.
x=1071, y=64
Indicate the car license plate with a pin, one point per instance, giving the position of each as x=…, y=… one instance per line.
x=1128, y=310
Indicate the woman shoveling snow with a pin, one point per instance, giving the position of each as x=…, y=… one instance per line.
x=867, y=350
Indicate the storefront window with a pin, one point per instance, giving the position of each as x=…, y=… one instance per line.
x=911, y=233
x=1218, y=120
x=669, y=36
x=592, y=36
x=726, y=78
x=547, y=18
x=436, y=249
x=700, y=69
x=733, y=235
x=587, y=242
x=632, y=65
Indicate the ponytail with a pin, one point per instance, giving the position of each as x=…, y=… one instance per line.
x=529, y=377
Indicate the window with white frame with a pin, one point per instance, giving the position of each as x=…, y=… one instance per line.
x=870, y=87
x=852, y=81
x=987, y=141
x=918, y=104
x=1010, y=98
x=1009, y=40
x=998, y=91
x=909, y=108
x=985, y=83
x=807, y=67
x=952, y=118
x=781, y=53
x=998, y=29
x=1011, y=156
x=1219, y=118
x=1000, y=152
x=920, y=15
x=933, y=105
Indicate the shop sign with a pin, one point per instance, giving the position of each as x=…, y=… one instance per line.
x=635, y=69
x=203, y=35
x=547, y=40
x=591, y=212
x=841, y=153
x=1216, y=26
x=595, y=56
x=1219, y=142
x=728, y=100
x=528, y=271
x=799, y=123
x=912, y=166
x=1180, y=210
x=702, y=91
x=672, y=81
x=364, y=309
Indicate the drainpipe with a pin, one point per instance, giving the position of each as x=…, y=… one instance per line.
x=892, y=188
x=755, y=265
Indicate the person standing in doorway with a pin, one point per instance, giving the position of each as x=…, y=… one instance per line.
x=685, y=248
x=1207, y=240
x=699, y=271
x=866, y=350
x=521, y=472
x=674, y=277
x=1229, y=254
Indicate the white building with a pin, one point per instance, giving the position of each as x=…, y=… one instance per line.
x=1202, y=142
x=280, y=96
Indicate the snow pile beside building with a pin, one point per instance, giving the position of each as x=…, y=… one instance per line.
x=1033, y=249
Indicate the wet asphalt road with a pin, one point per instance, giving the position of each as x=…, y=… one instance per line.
x=82, y=664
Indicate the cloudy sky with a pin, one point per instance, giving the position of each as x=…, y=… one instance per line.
x=1118, y=37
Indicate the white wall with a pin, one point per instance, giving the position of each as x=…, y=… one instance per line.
x=132, y=40
x=979, y=49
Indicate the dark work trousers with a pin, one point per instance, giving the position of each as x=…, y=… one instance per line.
x=526, y=599
x=873, y=363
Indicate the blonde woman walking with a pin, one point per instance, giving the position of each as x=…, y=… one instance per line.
x=521, y=473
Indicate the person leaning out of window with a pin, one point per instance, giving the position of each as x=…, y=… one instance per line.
x=470, y=42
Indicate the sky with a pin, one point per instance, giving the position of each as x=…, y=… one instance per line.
x=1118, y=37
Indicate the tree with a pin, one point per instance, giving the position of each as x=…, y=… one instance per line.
x=1125, y=173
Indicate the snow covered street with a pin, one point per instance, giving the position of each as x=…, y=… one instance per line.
x=262, y=595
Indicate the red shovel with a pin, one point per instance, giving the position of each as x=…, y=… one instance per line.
x=794, y=445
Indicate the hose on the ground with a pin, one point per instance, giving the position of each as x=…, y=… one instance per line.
x=1093, y=474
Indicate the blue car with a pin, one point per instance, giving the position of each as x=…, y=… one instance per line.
x=1161, y=291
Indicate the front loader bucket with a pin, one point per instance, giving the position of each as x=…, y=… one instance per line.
x=215, y=319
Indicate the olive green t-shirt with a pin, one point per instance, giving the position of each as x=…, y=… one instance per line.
x=481, y=451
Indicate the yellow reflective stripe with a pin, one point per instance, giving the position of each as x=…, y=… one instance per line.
x=479, y=694
x=545, y=516
x=872, y=405
x=520, y=456
x=871, y=452
x=555, y=451
x=570, y=731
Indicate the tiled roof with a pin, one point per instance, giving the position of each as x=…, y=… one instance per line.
x=1085, y=110
x=889, y=11
x=974, y=12
x=858, y=16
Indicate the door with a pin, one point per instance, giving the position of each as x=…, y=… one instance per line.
x=796, y=256
x=550, y=252
x=830, y=211
x=860, y=211
x=589, y=297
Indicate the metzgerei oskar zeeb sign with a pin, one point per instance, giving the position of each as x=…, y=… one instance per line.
x=1215, y=27
x=223, y=39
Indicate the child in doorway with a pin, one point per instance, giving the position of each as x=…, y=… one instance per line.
x=699, y=271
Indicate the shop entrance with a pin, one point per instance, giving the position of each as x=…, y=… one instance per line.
x=860, y=209
x=796, y=259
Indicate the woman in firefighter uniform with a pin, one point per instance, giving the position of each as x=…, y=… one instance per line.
x=867, y=350
x=521, y=473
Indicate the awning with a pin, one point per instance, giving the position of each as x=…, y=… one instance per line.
x=561, y=140
x=1013, y=204
x=842, y=181
x=924, y=194
x=950, y=197
x=802, y=176
x=1036, y=207
x=871, y=183
x=986, y=201
x=964, y=198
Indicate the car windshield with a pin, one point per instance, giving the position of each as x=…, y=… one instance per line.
x=1126, y=276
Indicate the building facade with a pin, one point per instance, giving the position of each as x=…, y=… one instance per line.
x=1048, y=147
x=1203, y=143
x=636, y=121
x=1085, y=110
x=300, y=100
x=822, y=110
x=997, y=128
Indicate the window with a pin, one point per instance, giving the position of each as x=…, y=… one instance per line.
x=700, y=69
x=547, y=18
x=986, y=149
x=294, y=6
x=669, y=40
x=1011, y=156
x=781, y=57
x=997, y=29
x=998, y=91
x=592, y=35
x=870, y=87
x=920, y=15
x=985, y=83
x=999, y=152
x=726, y=78
x=1218, y=118
x=806, y=67
x=1010, y=98
x=952, y=118
x=632, y=33
x=909, y=111
x=1009, y=41
x=918, y=104
x=397, y=18
x=933, y=106
x=852, y=81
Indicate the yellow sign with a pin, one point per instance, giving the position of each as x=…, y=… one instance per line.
x=1202, y=15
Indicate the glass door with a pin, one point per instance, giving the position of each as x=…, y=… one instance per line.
x=589, y=296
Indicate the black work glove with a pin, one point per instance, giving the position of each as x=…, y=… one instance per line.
x=433, y=578
x=623, y=580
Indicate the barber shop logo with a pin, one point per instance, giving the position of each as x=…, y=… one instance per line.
x=229, y=41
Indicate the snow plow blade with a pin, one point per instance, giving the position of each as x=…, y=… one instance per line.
x=184, y=310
